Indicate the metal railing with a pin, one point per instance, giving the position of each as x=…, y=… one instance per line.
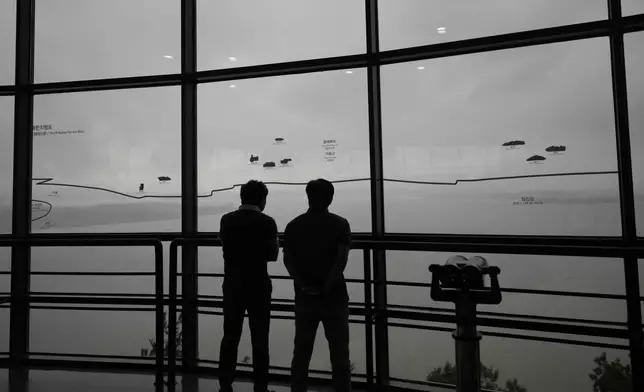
x=156, y=300
x=368, y=313
x=532, y=323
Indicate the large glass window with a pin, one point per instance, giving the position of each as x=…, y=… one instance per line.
x=7, y=41
x=503, y=142
x=631, y=7
x=235, y=33
x=285, y=131
x=405, y=23
x=92, y=39
x=107, y=161
x=635, y=84
x=6, y=163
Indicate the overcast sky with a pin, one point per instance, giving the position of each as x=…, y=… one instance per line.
x=443, y=119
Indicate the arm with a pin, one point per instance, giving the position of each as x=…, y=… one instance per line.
x=273, y=246
x=337, y=270
x=222, y=230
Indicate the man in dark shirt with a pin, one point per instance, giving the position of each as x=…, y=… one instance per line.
x=316, y=251
x=249, y=239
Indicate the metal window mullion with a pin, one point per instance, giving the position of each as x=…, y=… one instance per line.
x=368, y=316
x=377, y=195
x=189, y=287
x=21, y=219
x=627, y=197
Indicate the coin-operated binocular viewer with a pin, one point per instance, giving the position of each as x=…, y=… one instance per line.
x=462, y=281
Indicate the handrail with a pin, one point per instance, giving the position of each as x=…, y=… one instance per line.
x=363, y=240
x=613, y=249
x=158, y=301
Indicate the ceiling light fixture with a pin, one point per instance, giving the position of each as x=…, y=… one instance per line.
x=441, y=30
x=348, y=72
x=232, y=86
x=421, y=67
x=232, y=59
x=167, y=56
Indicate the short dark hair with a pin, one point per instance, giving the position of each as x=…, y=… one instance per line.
x=320, y=193
x=253, y=192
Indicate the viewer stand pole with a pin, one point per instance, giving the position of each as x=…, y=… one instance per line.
x=462, y=282
x=468, y=358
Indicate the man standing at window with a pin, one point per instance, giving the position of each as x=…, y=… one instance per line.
x=249, y=239
x=316, y=251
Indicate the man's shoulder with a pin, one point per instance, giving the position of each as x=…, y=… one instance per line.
x=339, y=219
x=268, y=219
x=297, y=220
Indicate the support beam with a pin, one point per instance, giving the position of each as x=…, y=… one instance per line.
x=627, y=197
x=22, y=154
x=377, y=199
x=189, y=287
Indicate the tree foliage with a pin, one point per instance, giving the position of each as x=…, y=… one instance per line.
x=611, y=376
x=489, y=378
x=152, y=351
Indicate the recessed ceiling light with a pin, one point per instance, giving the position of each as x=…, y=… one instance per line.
x=167, y=56
x=232, y=86
x=421, y=67
x=232, y=59
x=441, y=30
x=348, y=72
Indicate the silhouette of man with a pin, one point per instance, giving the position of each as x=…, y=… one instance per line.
x=316, y=251
x=249, y=239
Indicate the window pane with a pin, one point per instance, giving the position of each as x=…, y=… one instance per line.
x=319, y=121
x=420, y=355
x=92, y=39
x=235, y=33
x=4, y=329
x=90, y=331
x=525, y=272
x=456, y=128
x=7, y=41
x=79, y=260
x=413, y=352
x=635, y=85
x=406, y=23
x=107, y=161
x=6, y=163
x=631, y=7
x=5, y=270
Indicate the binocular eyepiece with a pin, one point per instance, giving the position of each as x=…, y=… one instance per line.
x=466, y=276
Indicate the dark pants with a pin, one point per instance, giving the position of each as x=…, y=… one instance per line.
x=335, y=319
x=237, y=300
